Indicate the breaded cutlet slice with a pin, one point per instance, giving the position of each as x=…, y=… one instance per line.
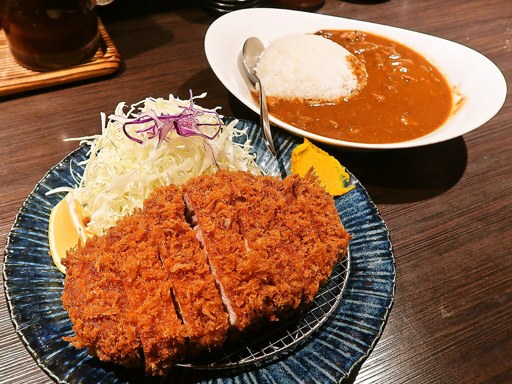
x=148, y=289
x=260, y=209
x=212, y=204
x=258, y=274
x=196, y=295
x=127, y=315
x=95, y=298
x=313, y=218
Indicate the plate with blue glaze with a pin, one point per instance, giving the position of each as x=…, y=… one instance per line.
x=34, y=286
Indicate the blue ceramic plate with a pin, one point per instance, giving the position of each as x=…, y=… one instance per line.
x=34, y=286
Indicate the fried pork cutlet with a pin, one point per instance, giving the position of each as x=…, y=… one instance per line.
x=148, y=289
x=320, y=238
x=219, y=254
x=238, y=214
x=212, y=206
x=98, y=307
x=126, y=265
x=197, y=297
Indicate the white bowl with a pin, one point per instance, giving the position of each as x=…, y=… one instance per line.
x=474, y=76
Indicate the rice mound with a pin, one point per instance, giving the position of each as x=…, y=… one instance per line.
x=307, y=66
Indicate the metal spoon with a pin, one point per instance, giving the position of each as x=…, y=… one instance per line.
x=251, y=53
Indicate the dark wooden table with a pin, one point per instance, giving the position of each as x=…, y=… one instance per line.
x=448, y=206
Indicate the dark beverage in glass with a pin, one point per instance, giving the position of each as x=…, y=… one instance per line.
x=45, y=35
x=301, y=4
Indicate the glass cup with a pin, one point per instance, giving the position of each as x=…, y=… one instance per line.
x=46, y=35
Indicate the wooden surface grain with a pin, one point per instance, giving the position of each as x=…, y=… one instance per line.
x=16, y=79
x=448, y=206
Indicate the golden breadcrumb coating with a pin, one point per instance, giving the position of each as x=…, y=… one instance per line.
x=322, y=240
x=193, y=285
x=121, y=271
x=96, y=301
x=148, y=288
x=212, y=201
x=271, y=248
x=222, y=253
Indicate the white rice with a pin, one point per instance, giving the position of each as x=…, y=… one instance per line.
x=307, y=66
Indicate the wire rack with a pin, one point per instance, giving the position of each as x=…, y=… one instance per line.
x=280, y=338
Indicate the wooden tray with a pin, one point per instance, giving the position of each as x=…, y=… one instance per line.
x=14, y=78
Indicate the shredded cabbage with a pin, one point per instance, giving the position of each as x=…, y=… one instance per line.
x=121, y=172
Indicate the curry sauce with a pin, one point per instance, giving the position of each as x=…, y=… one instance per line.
x=404, y=97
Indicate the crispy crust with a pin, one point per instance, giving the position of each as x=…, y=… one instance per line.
x=116, y=319
x=320, y=236
x=97, y=305
x=153, y=289
x=263, y=217
x=271, y=266
x=148, y=288
x=194, y=289
x=213, y=203
x=272, y=244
